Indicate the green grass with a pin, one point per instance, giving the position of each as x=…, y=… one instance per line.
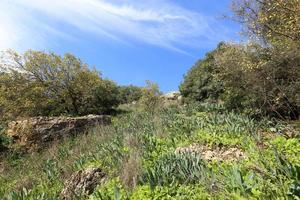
x=137, y=153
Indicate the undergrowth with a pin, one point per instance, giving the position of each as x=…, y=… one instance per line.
x=138, y=152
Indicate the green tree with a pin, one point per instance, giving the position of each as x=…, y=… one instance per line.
x=201, y=83
x=259, y=80
x=261, y=77
x=275, y=27
x=130, y=93
x=151, y=97
x=105, y=97
x=39, y=83
x=269, y=20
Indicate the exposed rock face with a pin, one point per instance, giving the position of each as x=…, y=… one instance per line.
x=35, y=133
x=82, y=183
x=210, y=154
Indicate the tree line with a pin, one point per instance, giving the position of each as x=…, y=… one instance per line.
x=45, y=84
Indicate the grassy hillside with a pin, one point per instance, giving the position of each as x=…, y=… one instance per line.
x=139, y=152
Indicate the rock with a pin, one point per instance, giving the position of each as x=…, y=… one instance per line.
x=217, y=154
x=171, y=96
x=82, y=183
x=180, y=99
x=273, y=130
x=38, y=132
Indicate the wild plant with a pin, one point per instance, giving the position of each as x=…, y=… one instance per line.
x=176, y=168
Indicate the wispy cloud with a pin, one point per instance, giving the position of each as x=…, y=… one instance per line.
x=32, y=23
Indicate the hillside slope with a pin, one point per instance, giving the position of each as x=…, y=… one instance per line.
x=195, y=152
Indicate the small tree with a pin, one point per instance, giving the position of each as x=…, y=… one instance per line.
x=151, y=97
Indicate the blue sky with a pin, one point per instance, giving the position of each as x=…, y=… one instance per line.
x=129, y=41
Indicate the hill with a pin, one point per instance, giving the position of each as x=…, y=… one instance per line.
x=193, y=152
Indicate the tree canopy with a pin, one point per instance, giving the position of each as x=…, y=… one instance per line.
x=261, y=77
x=39, y=83
x=200, y=84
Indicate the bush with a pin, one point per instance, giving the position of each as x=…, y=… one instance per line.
x=261, y=78
x=150, y=100
x=129, y=94
x=200, y=83
x=248, y=78
x=105, y=97
x=4, y=141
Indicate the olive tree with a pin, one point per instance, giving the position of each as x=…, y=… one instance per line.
x=39, y=83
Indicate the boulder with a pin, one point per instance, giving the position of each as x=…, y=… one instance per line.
x=82, y=183
x=36, y=133
x=171, y=96
x=214, y=154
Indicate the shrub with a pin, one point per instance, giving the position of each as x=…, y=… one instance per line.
x=105, y=98
x=261, y=78
x=4, y=140
x=129, y=94
x=200, y=83
x=151, y=98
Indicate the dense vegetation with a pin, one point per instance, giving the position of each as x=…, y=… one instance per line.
x=138, y=151
x=129, y=94
x=240, y=98
x=49, y=85
x=261, y=77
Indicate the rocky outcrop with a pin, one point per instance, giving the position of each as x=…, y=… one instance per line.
x=82, y=183
x=36, y=133
x=171, y=96
x=214, y=154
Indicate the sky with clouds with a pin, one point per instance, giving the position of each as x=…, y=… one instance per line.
x=129, y=41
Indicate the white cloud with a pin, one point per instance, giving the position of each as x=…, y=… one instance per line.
x=34, y=23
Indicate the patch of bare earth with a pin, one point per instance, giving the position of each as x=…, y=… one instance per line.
x=214, y=154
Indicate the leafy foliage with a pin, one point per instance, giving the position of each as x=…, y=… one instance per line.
x=200, y=84
x=3, y=138
x=263, y=83
x=270, y=20
x=150, y=100
x=47, y=84
x=262, y=77
x=130, y=94
x=137, y=151
x=181, y=168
